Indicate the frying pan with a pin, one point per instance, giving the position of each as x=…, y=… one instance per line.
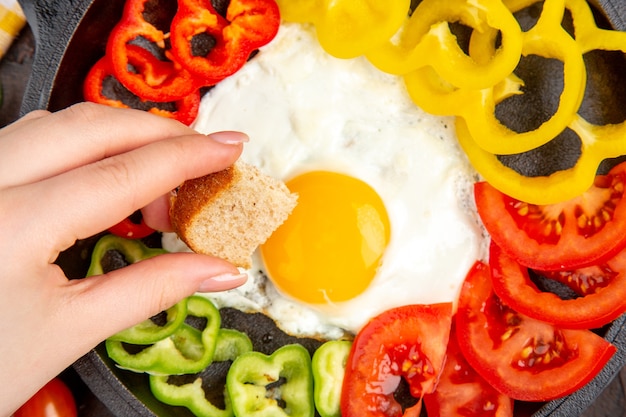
x=70, y=36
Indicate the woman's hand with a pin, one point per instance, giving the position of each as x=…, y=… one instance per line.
x=70, y=175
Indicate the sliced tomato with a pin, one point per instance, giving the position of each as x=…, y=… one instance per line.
x=563, y=236
x=601, y=290
x=407, y=343
x=461, y=391
x=53, y=400
x=523, y=358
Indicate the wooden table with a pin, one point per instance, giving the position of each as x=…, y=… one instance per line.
x=14, y=72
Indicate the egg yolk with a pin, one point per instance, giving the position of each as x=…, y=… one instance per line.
x=331, y=245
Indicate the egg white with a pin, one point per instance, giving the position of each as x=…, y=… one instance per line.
x=305, y=110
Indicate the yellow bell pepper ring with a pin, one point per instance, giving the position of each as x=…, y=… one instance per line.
x=602, y=142
x=588, y=35
x=497, y=138
x=348, y=28
x=435, y=95
x=301, y=11
x=559, y=186
x=608, y=140
x=426, y=40
x=547, y=39
x=597, y=144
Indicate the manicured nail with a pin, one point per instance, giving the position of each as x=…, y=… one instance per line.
x=223, y=282
x=229, y=137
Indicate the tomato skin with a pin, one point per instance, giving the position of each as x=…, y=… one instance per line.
x=53, y=400
x=511, y=282
x=405, y=342
x=564, y=236
x=461, y=391
x=523, y=358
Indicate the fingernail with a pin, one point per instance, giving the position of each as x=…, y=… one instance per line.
x=223, y=282
x=229, y=137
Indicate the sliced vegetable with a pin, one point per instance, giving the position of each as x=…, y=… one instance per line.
x=547, y=39
x=541, y=190
x=583, y=231
x=190, y=396
x=407, y=343
x=249, y=24
x=53, y=400
x=426, y=40
x=186, y=351
x=439, y=94
x=277, y=385
x=151, y=331
x=199, y=49
x=171, y=82
x=329, y=364
x=127, y=228
x=348, y=28
x=185, y=112
x=132, y=250
x=599, y=142
x=601, y=289
x=523, y=358
x=462, y=392
x=230, y=345
x=155, y=328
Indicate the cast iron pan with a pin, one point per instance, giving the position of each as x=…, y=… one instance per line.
x=71, y=35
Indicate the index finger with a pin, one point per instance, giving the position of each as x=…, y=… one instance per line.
x=48, y=144
x=56, y=212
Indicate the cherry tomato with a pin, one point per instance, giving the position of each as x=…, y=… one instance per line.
x=54, y=400
x=601, y=289
x=523, y=358
x=407, y=343
x=130, y=229
x=461, y=391
x=564, y=236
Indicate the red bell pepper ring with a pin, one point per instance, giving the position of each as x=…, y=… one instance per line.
x=175, y=84
x=94, y=82
x=130, y=230
x=186, y=108
x=249, y=24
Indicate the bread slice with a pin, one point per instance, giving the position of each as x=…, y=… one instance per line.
x=230, y=213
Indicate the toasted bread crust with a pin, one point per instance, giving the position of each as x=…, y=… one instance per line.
x=196, y=193
x=229, y=213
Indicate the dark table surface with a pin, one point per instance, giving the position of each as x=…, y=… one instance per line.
x=14, y=72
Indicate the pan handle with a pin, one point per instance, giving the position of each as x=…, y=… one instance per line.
x=614, y=10
x=53, y=23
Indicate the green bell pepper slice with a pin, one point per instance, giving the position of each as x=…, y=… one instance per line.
x=133, y=251
x=329, y=364
x=272, y=386
x=230, y=345
x=148, y=331
x=187, y=351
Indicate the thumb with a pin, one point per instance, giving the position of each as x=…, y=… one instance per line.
x=137, y=292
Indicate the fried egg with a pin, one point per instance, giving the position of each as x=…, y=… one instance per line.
x=385, y=214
